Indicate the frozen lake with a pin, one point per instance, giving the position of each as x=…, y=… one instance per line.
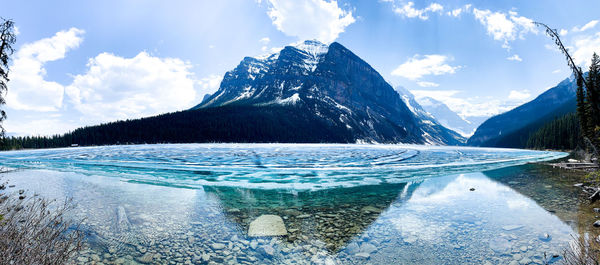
x=340, y=204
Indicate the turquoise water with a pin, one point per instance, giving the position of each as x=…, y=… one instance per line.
x=341, y=204
x=272, y=166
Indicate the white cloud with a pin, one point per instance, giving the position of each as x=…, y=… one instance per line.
x=515, y=57
x=310, y=19
x=208, y=85
x=265, y=40
x=505, y=27
x=458, y=11
x=408, y=10
x=585, y=27
x=39, y=126
x=419, y=66
x=114, y=87
x=585, y=46
x=556, y=71
x=563, y=32
x=455, y=12
x=519, y=95
x=27, y=88
x=427, y=84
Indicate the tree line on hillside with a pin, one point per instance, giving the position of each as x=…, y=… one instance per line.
x=563, y=133
x=588, y=93
x=240, y=124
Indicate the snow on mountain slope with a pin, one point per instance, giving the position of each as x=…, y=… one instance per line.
x=431, y=127
x=449, y=118
x=335, y=85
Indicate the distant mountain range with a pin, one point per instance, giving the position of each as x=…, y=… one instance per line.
x=513, y=128
x=450, y=119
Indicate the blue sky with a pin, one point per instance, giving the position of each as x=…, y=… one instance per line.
x=86, y=62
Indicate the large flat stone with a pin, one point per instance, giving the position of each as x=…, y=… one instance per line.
x=267, y=225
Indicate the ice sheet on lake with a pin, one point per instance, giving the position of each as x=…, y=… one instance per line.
x=272, y=166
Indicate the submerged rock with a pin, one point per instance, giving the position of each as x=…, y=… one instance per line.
x=545, y=237
x=500, y=245
x=122, y=220
x=597, y=223
x=268, y=250
x=352, y=248
x=363, y=255
x=205, y=257
x=146, y=258
x=367, y=248
x=511, y=227
x=217, y=246
x=370, y=209
x=253, y=244
x=267, y=225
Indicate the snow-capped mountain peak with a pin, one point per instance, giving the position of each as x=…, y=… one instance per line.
x=335, y=87
x=314, y=48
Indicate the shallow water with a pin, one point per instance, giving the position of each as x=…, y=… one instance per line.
x=341, y=204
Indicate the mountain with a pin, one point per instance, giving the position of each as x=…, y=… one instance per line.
x=337, y=87
x=447, y=117
x=512, y=128
x=307, y=93
x=429, y=124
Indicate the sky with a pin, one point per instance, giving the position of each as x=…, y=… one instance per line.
x=81, y=63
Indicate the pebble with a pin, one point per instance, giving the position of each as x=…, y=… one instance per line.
x=367, y=248
x=362, y=255
x=352, y=248
x=269, y=250
x=523, y=248
x=112, y=250
x=525, y=261
x=370, y=209
x=147, y=258
x=217, y=246
x=545, y=237
x=511, y=227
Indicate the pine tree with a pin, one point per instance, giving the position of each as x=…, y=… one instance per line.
x=593, y=91
x=582, y=107
x=7, y=39
x=588, y=108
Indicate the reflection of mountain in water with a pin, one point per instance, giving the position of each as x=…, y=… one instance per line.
x=331, y=216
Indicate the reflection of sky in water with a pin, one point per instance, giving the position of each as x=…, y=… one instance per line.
x=437, y=220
